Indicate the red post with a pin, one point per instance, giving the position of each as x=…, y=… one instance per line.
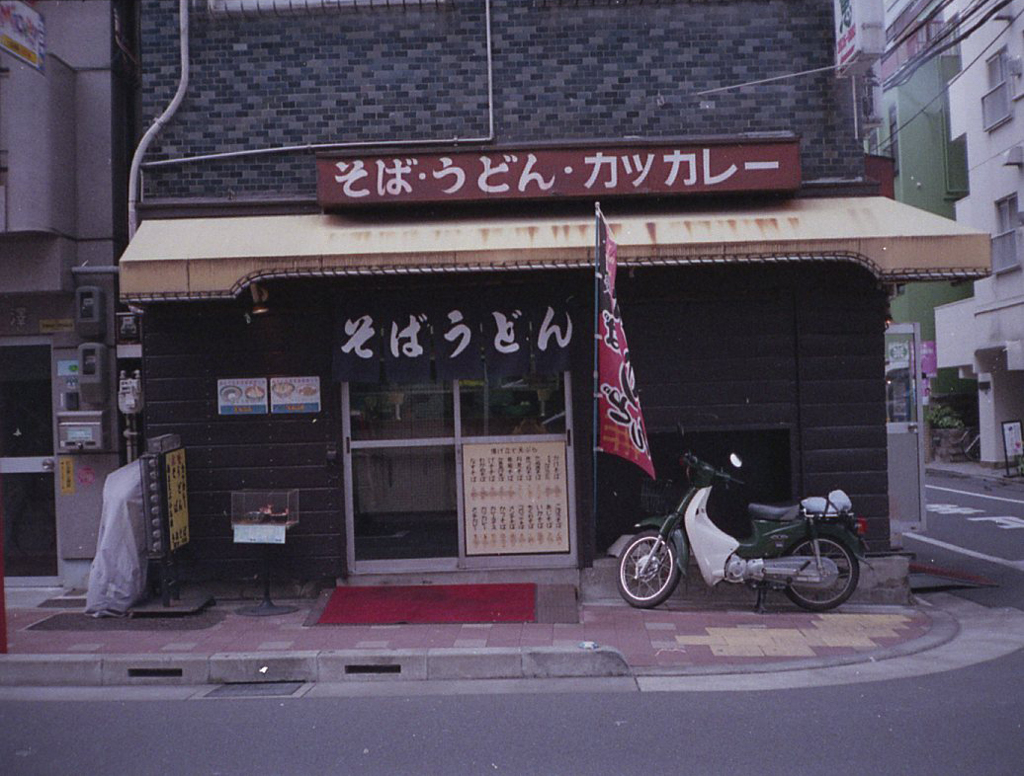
x=3, y=594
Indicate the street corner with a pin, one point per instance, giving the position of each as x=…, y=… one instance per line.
x=704, y=641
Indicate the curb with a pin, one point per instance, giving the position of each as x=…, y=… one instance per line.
x=310, y=666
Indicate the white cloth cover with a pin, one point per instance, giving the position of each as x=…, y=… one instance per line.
x=117, y=578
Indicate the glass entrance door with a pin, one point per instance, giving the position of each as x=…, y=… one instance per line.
x=27, y=462
x=403, y=503
x=406, y=474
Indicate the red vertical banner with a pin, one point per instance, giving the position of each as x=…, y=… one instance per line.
x=621, y=422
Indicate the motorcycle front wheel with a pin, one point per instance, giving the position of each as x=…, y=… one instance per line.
x=647, y=578
x=818, y=599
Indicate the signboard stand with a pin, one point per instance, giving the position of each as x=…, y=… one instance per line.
x=266, y=607
x=165, y=493
x=264, y=517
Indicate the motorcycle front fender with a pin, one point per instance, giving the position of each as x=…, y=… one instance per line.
x=677, y=537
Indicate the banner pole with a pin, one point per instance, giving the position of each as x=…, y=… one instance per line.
x=598, y=242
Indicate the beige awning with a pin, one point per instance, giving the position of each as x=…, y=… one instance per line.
x=196, y=258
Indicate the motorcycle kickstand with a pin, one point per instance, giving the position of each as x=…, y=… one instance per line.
x=762, y=599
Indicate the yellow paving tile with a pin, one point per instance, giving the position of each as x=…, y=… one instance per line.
x=857, y=631
x=737, y=650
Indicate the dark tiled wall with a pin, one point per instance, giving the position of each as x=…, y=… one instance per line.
x=561, y=71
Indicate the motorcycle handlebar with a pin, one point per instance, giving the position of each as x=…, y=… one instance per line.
x=692, y=461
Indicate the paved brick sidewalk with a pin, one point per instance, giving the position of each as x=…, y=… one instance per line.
x=663, y=639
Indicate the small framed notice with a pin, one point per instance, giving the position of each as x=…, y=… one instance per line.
x=294, y=395
x=242, y=396
x=516, y=498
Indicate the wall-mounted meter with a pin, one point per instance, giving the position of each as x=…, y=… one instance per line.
x=83, y=431
x=129, y=394
x=92, y=372
x=90, y=312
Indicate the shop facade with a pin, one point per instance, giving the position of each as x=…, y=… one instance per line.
x=410, y=457
x=423, y=167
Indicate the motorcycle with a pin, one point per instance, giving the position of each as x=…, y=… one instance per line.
x=811, y=550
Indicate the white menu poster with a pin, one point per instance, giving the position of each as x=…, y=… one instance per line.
x=516, y=498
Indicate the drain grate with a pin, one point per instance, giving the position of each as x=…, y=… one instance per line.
x=256, y=690
x=373, y=669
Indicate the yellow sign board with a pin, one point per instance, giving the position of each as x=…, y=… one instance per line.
x=177, y=498
x=67, y=476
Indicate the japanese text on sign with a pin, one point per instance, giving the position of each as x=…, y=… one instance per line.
x=516, y=498
x=177, y=498
x=581, y=172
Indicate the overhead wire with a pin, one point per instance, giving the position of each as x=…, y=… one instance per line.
x=934, y=48
x=892, y=136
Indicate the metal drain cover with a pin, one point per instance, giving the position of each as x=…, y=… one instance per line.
x=256, y=690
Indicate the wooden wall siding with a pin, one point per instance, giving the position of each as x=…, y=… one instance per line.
x=759, y=347
x=756, y=348
x=188, y=348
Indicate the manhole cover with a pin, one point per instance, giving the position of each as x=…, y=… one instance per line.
x=255, y=690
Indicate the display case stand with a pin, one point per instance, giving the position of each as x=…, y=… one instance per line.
x=266, y=607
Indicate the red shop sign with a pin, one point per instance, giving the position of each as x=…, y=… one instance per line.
x=587, y=172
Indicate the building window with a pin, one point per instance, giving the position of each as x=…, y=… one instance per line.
x=1004, y=243
x=894, y=143
x=995, y=105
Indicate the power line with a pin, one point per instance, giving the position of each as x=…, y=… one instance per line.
x=892, y=136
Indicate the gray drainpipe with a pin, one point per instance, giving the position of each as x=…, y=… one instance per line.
x=140, y=152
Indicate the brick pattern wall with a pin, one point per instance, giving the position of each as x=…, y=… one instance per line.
x=561, y=71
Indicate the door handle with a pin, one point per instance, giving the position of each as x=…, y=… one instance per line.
x=47, y=464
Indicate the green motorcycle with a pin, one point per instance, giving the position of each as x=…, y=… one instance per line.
x=809, y=550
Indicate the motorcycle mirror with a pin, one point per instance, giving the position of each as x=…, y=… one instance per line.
x=735, y=460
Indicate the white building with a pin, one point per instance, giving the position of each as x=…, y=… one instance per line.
x=984, y=336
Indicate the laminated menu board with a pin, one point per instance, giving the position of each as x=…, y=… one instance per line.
x=516, y=498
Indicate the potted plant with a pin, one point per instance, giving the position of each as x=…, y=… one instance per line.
x=947, y=427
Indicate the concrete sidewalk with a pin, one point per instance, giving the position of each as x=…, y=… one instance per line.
x=49, y=645
x=697, y=632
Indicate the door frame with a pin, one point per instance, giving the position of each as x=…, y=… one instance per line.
x=461, y=562
x=37, y=464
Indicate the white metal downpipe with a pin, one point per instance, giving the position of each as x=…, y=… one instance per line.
x=140, y=152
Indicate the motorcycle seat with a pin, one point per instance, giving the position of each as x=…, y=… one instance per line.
x=836, y=502
x=769, y=512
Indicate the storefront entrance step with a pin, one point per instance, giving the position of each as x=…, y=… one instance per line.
x=884, y=580
x=566, y=576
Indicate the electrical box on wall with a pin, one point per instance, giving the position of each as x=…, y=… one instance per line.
x=90, y=312
x=93, y=373
x=83, y=431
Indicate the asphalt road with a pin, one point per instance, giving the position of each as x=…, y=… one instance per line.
x=954, y=722
x=975, y=527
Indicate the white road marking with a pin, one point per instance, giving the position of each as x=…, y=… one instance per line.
x=953, y=509
x=976, y=495
x=1017, y=565
x=1005, y=522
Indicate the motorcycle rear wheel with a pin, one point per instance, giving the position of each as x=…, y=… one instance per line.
x=818, y=599
x=658, y=579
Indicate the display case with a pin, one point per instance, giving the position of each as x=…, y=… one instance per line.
x=259, y=507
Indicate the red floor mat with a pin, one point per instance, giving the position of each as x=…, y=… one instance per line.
x=391, y=605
